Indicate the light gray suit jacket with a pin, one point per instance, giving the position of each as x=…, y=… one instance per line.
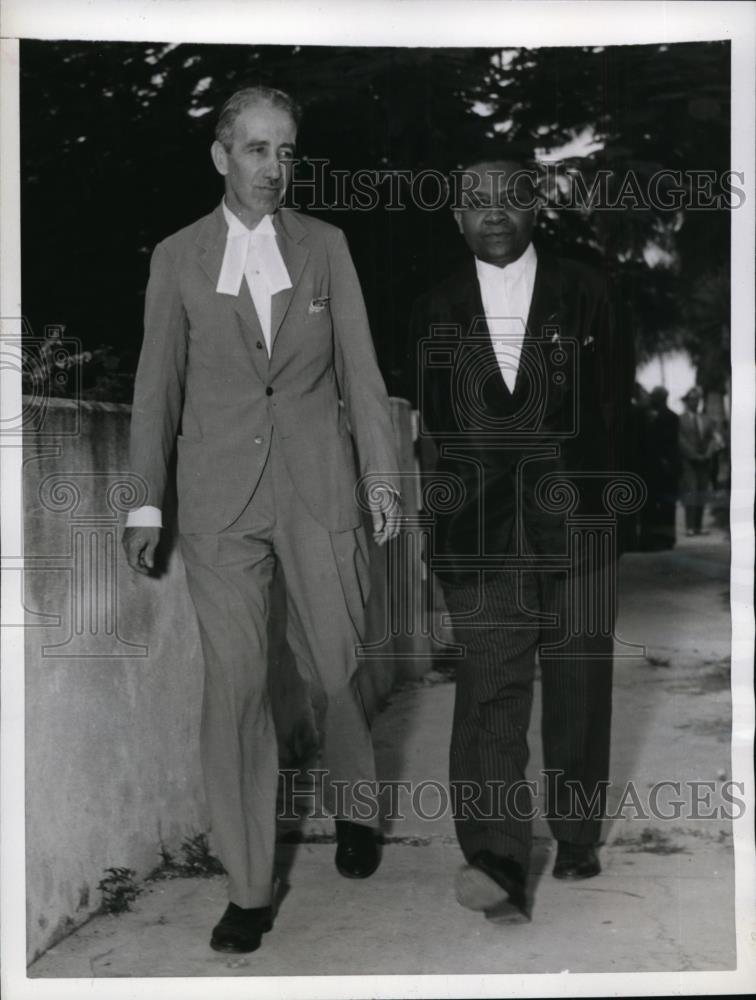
x=204, y=376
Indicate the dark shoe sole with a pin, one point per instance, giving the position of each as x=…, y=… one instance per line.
x=236, y=948
x=358, y=852
x=477, y=891
x=507, y=913
x=348, y=873
x=575, y=874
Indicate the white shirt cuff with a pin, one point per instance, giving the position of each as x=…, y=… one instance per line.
x=144, y=517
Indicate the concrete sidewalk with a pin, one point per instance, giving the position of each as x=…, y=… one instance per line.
x=664, y=901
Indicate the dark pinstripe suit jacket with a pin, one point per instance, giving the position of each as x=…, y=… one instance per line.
x=566, y=416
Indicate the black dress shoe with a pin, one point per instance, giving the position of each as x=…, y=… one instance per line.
x=576, y=861
x=358, y=853
x=495, y=886
x=241, y=930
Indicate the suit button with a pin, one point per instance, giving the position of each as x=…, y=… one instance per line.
x=269, y=391
x=259, y=345
x=259, y=439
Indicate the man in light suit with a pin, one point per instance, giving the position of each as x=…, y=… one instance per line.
x=257, y=359
x=524, y=391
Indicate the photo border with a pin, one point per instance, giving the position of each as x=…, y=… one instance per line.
x=392, y=23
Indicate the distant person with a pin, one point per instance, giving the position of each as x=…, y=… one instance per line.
x=698, y=443
x=719, y=447
x=719, y=508
x=660, y=463
x=631, y=525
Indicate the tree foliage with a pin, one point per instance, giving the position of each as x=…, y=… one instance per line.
x=114, y=153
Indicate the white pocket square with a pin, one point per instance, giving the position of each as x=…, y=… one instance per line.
x=318, y=305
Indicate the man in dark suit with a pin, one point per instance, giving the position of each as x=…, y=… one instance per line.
x=524, y=390
x=699, y=443
x=660, y=465
x=257, y=358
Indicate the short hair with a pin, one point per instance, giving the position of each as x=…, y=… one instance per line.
x=237, y=102
x=496, y=151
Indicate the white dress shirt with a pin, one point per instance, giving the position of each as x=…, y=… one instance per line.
x=507, y=293
x=252, y=254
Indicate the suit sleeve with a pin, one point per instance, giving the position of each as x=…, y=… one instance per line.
x=616, y=376
x=359, y=379
x=159, y=386
x=432, y=416
x=434, y=382
x=688, y=448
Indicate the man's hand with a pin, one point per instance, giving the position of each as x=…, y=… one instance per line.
x=139, y=545
x=386, y=510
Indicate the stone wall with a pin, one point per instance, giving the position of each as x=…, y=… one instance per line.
x=114, y=673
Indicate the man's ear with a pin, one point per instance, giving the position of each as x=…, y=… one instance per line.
x=457, y=213
x=219, y=157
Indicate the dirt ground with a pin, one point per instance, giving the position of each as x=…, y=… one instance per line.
x=664, y=901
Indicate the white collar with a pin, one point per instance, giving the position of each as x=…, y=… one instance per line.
x=260, y=242
x=237, y=228
x=511, y=272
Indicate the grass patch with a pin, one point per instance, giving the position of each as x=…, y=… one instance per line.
x=650, y=841
x=119, y=890
x=195, y=861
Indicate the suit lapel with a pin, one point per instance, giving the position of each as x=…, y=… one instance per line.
x=545, y=303
x=468, y=301
x=545, y=324
x=212, y=246
x=544, y=320
x=290, y=234
x=211, y=243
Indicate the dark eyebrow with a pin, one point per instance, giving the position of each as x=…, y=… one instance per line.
x=252, y=143
x=474, y=200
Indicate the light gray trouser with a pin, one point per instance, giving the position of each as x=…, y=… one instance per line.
x=229, y=576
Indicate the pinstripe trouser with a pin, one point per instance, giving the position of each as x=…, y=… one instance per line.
x=494, y=621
